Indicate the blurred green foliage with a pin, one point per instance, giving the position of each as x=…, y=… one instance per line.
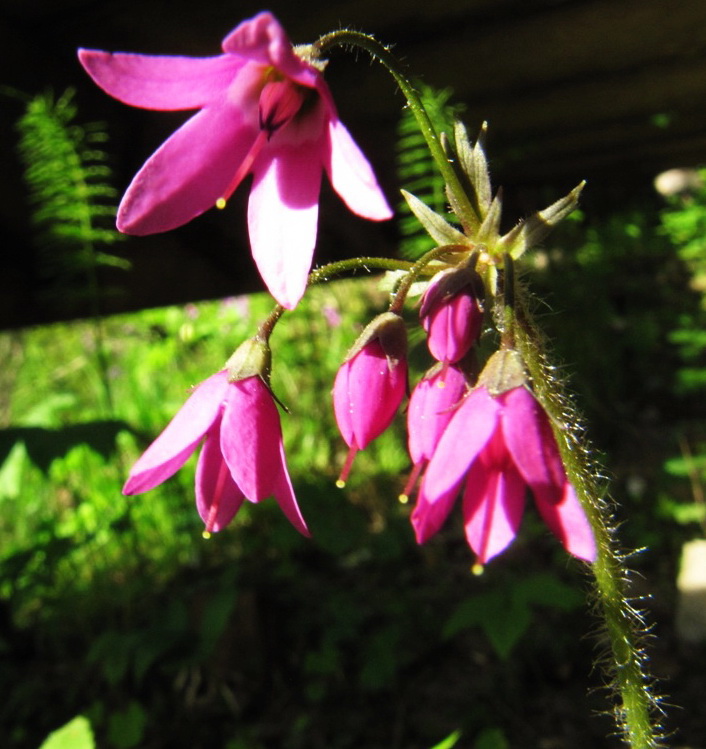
x=172, y=640
x=76, y=734
x=68, y=175
x=116, y=610
x=683, y=222
x=416, y=170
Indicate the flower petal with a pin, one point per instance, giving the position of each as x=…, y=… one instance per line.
x=428, y=516
x=158, y=81
x=168, y=453
x=466, y=435
x=567, y=520
x=352, y=176
x=530, y=441
x=493, y=503
x=218, y=497
x=251, y=443
x=188, y=173
x=263, y=40
x=282, y=216
x=343, y=403
x=431, y=407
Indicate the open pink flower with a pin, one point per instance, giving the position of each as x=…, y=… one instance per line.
x=242, y=456
x=265, y=111
x=498, y=446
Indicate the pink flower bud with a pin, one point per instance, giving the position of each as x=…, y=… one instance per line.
x=371, y=384
x=452, y=313
x=431, y=407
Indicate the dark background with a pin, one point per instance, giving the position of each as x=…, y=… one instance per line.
x=608, y=91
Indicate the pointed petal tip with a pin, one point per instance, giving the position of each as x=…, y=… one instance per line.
x=568, y=521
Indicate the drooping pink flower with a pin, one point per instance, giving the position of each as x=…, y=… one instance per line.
x=431, y=406
x=497, y=446
x=371, y=384
x=451, y=312
x=242, y=455
x=264, y=110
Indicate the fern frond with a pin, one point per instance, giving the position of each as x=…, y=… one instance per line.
x=416, y=170
x=68, y=176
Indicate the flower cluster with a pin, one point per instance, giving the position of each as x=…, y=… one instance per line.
x=497, y=443
x=264, y=110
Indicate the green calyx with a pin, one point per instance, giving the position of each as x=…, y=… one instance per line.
x=253, y=358
x=503, y=371
x=389, y=329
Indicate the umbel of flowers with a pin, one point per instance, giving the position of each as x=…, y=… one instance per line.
x=487, y=433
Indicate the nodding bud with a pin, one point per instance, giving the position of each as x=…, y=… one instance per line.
x=279, y=103
x=452, y=313
x=371, y=384
x=253, y=358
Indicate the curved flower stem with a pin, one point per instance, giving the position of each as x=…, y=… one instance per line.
x=416, y=270
x=324, y=273
x=356, y=263
x=378, y=51
x=268, y=324
x=623, y=623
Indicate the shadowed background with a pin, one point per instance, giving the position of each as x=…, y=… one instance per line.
x=612, y=92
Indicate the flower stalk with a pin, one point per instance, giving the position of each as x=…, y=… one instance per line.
x=622, y=622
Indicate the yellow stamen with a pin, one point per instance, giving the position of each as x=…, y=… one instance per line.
x=221, y=203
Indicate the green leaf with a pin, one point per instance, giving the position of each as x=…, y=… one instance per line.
x=76, y=734
x=491, y=738
x=126, y=727
x=505, y=615
x=527, y=234
x=450, y=741
x=475, y=164
x=440, y=230
x=546, y=590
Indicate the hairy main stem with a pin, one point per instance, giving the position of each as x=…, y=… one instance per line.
x=622, y=622
x=379, y=52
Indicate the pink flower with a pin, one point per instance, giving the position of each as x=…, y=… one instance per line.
x=499, y=446
x=242, y=456
x=452, y=313
x=265, y=111
x=371, y=384
x=431, y=407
